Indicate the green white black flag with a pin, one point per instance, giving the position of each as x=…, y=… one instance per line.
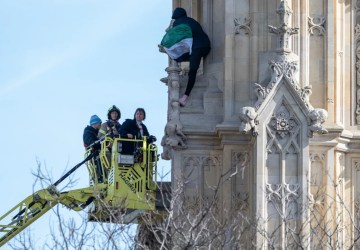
x=178, y=41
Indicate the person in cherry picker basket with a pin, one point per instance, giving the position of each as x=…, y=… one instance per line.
x=112, y=125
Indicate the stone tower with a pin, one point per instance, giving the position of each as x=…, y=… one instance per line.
x=270, y=137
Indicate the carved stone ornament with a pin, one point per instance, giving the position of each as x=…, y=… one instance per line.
x=243, y=26
x=357, y=52
x=282, y=192
x=284, y=66
x=317, y=25
x=285, y=63
x=318, y=170
x=283, y=123
x=318, y=157
x=240, y=160
x=240, y=201
x=357, y=210
x=357, y=32
x=283, y=132
x=357, y=165
x=283, y=31
x=317, y=202
x=284, y=11
x=248, y=120
x=317, y=118
x=174, y=138
x=195, y=165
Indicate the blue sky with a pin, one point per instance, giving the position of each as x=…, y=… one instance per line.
x=62, y=61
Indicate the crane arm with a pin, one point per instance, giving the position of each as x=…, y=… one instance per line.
x=37, y=204
x=127, y=182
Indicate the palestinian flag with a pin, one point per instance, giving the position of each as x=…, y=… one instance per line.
x=178, y=41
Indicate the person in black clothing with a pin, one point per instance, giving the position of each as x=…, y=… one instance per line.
x=91, y=132
x=89, y=137
x=133, y=129
x=200, y=48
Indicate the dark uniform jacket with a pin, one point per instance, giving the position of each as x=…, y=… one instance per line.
x=90, y=136
x=130, y=127
x=200, y=39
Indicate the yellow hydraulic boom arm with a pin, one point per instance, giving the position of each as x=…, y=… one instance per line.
x=36, y=205
x=119, y=181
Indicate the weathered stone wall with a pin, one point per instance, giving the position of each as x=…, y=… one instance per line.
x=272, y=123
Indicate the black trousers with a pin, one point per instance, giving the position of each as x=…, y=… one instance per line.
x=194, y=59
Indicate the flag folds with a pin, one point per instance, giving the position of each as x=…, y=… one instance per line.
x=177, y=41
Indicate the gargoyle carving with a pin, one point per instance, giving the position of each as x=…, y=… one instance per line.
x=247, y=117
x=317, y=118
x=174, y=137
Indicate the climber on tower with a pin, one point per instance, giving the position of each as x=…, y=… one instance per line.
x=200, y=48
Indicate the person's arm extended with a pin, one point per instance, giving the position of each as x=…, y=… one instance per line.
x=170, y=25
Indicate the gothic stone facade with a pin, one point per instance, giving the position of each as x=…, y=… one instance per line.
x=271, y=134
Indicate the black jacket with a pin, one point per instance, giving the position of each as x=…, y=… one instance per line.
x=130, y=127
x=200, y=39
x=90, y=136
